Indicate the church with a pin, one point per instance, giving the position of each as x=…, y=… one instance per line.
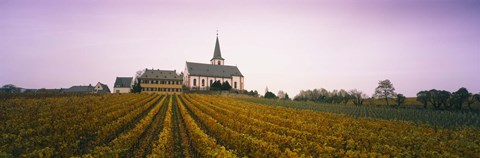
x=200, y=76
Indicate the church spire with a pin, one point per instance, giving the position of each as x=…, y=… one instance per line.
x=217, y=55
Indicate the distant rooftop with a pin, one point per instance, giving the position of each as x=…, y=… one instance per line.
x=161, y=74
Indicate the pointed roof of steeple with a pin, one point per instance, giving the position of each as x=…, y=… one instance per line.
x=217, y=54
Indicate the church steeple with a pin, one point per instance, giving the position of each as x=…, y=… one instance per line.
x=217, y=55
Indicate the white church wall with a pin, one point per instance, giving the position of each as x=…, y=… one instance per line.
x=236, y=79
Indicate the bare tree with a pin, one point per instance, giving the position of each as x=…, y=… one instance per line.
x=385, y=90
x=281, y=94
x=357, y=96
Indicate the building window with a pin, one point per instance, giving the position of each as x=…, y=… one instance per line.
x=218, y=62
x=203, y=82
x=211, y=82
x=235, y=85
x=194, y=82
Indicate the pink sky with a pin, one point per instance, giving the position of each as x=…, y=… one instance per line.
x=285, y=45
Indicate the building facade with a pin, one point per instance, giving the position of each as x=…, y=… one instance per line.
x=160, y=81
x=199, y=76
x=101, y=88
x=123, y=85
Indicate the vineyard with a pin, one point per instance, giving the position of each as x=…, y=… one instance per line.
x=434, y=118
x=195, y=125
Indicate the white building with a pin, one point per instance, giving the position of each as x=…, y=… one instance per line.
x=201, y=76
x=101, y=88
x=123, y=85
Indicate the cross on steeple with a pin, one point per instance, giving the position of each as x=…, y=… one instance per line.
x=217, y=55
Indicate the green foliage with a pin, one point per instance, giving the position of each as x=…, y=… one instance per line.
x=270, y=95
x=400, y=99
x=423, y=97
x=460, y=97
x=444, y=99
x=136, y=87
x=216, y=86
x=226, y=86
x=253, y=93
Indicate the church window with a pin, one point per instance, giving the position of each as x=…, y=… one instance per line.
x=211, y=82
x=218, y=62
x=235, y=85
x=194, y=82
x=203, y=82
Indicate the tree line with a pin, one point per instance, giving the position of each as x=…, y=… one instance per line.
x=442, y=99
x=439, y=99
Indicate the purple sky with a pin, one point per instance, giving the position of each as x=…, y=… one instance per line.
x=285, y=45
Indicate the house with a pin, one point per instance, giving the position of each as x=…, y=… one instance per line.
x=123, y=84
x=199, y=76
x=101, y=88
x=160, y=81
x=97, y=89
x=80, y=89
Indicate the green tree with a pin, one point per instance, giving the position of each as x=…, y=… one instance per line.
x=253, y=93
x=270, y=95
x=423, y=97
x=226, y=86
x=443, y=97
x=400, y=99
x=460, y=96
x=287, y=97
x=10, y=88
x=471, y=99
x=385, y=90
x=136, y=87
x=216, y=86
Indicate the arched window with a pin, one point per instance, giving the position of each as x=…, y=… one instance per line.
x=203, y=82
x=235, y=85
x=211, y=82
x=194, y=82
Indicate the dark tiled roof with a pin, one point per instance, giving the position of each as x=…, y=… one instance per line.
x=105, y=89
x=198, y=69
x=161, y=74
x=123, y=82
x=80, y=89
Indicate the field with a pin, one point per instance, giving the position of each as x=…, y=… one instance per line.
x=195, y=125
x=412, y=113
